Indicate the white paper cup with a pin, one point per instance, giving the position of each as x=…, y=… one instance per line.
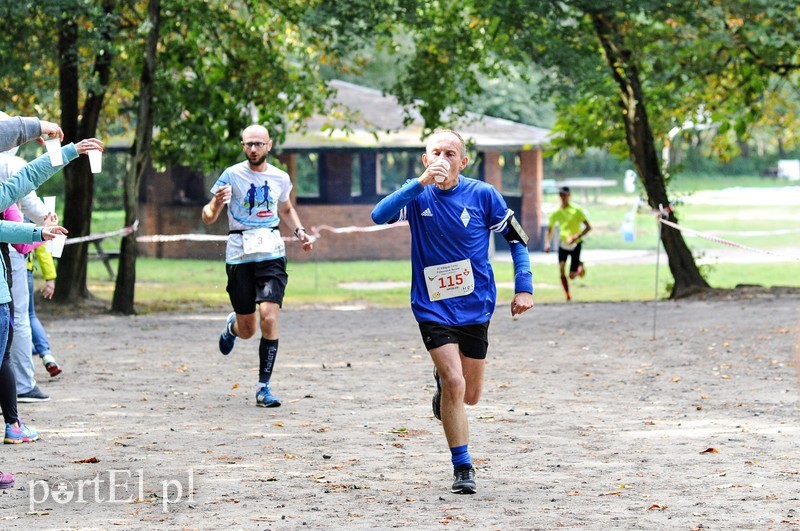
x=228, y=196
x=56, y=245
x=95, y=160
x=53, y=146
x=50, y=203
x=446, y=165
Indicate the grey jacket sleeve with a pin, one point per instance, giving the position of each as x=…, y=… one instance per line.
x=17, y=131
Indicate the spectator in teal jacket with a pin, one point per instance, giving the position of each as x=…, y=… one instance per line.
x=22, y=182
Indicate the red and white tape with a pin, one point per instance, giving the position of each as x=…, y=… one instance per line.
x=711, y=237
x=102, y=235
x=315, y=234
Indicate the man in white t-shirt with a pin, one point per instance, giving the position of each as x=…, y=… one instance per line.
x=257, y=196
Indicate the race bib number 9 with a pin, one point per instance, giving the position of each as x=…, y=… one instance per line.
x=445, y=281
x=262, y=241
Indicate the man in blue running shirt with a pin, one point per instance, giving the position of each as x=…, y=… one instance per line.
x=453, y=292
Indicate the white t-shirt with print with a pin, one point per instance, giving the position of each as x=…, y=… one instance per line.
x=255, y=197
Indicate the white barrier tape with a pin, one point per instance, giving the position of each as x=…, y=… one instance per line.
x=162, y=238
x=99, y=236
x=748, y=233
x=352, y=228
x=167, y=238
x=712, y=238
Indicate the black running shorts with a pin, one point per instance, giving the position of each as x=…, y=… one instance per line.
x=254, y=282
x=472, y=340
x=574, y=254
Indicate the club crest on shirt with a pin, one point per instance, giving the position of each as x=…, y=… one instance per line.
x=465, y=217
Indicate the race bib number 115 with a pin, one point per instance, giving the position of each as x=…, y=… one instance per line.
x=445, y=281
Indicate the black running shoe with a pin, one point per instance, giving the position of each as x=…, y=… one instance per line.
x=436, y=402
x=34, y=395
x=464, y=481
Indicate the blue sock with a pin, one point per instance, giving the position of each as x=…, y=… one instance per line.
x=460, y=457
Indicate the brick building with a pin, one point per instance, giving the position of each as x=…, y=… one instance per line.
x=340, y=164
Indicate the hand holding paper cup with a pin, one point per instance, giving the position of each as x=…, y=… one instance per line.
x=88, y=144
x=55, y=237
x=446, y=166
x=95, y=160
x=227, y=193
x=50, y=130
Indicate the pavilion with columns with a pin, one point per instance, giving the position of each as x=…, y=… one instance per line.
x=339, y=165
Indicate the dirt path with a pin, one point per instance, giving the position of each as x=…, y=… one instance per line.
x=586, y=422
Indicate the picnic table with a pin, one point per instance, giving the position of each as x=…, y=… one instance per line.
x=585, y=184
x=105, y=255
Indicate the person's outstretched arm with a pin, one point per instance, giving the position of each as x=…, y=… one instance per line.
x=32, y=175
x=389, y=208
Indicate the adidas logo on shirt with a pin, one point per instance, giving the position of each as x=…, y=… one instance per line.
x=427, y=213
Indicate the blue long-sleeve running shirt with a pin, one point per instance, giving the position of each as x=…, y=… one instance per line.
x=452, y=281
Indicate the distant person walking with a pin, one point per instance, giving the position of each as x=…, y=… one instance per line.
x=572, y=227
x=255, y=255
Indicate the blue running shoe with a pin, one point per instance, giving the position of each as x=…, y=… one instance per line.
x=20, y=434
x=265, y=398
x=226, y=338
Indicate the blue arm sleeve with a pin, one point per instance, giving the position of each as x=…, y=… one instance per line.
x=523, y=278
x=388, y=209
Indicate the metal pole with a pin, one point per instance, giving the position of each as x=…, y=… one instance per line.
x=658, y=255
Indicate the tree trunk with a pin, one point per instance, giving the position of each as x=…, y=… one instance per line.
x=78, y=179
x=643, y=154
x=124, y=290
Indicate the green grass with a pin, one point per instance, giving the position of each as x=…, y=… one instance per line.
x=687, y=183
x=739, y=224
x=171, y=284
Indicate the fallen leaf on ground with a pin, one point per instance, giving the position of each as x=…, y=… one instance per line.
x=87, y=460
x=710, y=451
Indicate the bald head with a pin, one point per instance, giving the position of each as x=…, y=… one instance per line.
x=449, y=136
x=256, y=145
x=255, y=131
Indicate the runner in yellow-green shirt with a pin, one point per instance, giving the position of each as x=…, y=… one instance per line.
x=572, y=227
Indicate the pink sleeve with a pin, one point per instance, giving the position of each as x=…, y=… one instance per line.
x=13, y=213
